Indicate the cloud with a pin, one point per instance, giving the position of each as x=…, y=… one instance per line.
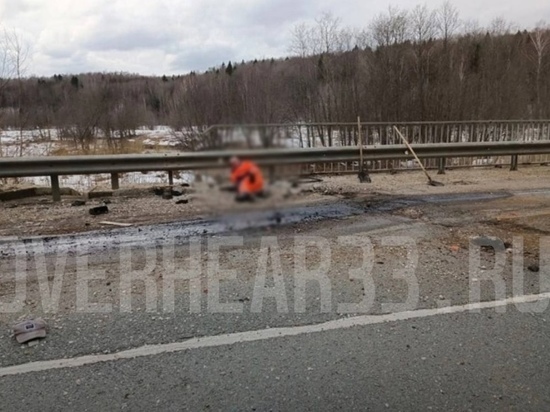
x=11, y=9
x=277, y=14
x=174, y=36
x=126, y=39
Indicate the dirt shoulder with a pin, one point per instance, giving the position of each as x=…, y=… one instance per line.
x=140, y=206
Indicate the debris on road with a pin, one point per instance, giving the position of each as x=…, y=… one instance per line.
x=115, y=224
x=182, y=202
x=488, y=243
x=77, y=203
x=29, y=330
x=139, y=205
x=410, y=213
x=99, y=210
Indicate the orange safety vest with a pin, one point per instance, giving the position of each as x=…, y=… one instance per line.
x=248, y=178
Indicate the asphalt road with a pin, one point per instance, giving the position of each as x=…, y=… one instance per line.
x=458, y=362
x=384, y=359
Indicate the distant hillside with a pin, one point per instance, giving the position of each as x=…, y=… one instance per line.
x=399, y=69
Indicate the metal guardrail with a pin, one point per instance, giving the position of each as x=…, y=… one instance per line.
x=115, y=164
x=330, y=134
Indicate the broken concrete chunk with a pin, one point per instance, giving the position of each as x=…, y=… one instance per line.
x=159, y=191
x=99, y=210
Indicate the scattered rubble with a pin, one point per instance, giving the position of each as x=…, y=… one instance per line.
x=99, y=210
x=143, y=204
x=410, y=213
x=533, y=268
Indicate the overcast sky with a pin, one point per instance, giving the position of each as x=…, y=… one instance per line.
x=177, y=36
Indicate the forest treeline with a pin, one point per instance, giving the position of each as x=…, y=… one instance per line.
x=406, y=65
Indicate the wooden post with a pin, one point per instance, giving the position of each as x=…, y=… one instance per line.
x=56, y=191
x=170, y=178
x=114, y=181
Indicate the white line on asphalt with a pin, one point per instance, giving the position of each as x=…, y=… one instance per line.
x=263, y=334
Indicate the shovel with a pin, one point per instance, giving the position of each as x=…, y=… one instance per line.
x=431, y=182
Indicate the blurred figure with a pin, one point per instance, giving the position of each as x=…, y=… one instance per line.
x=247, y=178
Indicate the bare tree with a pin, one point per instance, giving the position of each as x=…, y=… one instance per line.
x=390, y=28
x=423, y=23
x=18, y=54
x=327, y=33
x=423, y=29
x=472, y=28
x=363, y=39
x=6, y=66
x=499, y=26
x=300, y=44
x=447, y=21
x=540, y=44
x=325, y=36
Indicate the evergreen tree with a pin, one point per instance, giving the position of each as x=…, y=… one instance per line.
x=75, y=82
x=229, y=70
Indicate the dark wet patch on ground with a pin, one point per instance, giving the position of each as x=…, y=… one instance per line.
x=179, y=232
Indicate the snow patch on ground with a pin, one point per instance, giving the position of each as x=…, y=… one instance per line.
x=84, y=183
x=31, y=143
x=38, y=143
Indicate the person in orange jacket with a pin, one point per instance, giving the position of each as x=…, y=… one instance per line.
x=247, y=178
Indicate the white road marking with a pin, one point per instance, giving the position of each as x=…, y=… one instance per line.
x=263, y=334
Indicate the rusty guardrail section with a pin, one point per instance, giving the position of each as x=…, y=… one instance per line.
x=313, y=135
x=115, y=164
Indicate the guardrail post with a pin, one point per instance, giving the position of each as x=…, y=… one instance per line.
x=56, y=191
x=442, y=162
x=170, y=178
x=114, y=181
x=514, y=163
